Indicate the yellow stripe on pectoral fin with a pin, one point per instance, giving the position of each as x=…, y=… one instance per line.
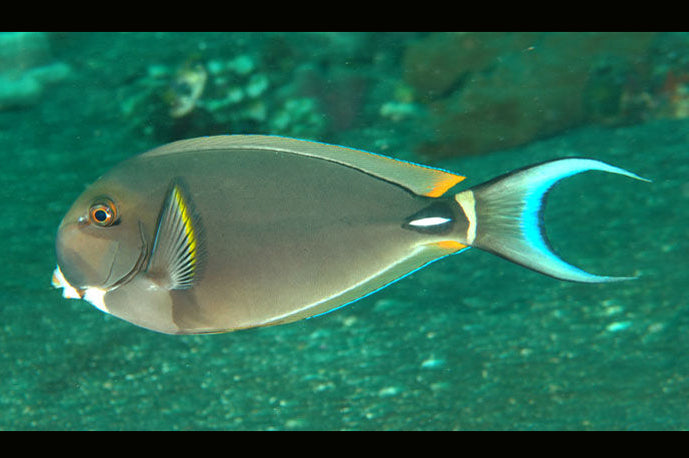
x=177, y=255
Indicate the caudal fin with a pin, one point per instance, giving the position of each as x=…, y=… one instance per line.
x=505, y=216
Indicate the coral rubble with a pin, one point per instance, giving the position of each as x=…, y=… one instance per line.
x=488, y=91
x=27, y=68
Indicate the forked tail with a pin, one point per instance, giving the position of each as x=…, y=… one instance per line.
x=505, y=216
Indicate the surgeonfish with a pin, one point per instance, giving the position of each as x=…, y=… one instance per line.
x=221, y=233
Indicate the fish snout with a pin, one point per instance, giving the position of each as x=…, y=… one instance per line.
x=84, y=260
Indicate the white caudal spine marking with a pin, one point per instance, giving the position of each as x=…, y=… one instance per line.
x=431, y=221
x=468, y=203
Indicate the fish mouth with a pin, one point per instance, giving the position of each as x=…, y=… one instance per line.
x=95, y=294
x=92, y=294
x=68, y=291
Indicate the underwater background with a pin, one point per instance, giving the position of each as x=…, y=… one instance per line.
x=470, y=342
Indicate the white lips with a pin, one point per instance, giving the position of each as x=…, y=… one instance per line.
x=68, y=291
x=92, y=294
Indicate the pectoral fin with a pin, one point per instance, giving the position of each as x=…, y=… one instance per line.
x=177, y=255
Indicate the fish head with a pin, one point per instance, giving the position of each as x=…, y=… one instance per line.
x=100, y=242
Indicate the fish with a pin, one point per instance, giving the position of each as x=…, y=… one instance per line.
x=221, y=233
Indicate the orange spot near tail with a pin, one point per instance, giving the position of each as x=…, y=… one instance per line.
x=450, y=245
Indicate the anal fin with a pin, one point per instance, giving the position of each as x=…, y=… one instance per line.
x=420, y=256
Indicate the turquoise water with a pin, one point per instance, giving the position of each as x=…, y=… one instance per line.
x=471, y=342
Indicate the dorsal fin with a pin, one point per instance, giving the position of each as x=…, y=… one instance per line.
x=420, y=179
x=177, y=251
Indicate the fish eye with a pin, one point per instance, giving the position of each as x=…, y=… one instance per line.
x=103, y=213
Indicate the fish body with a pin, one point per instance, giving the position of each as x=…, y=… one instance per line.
x=222, y=233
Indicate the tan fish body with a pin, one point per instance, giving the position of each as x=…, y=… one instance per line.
x=222, y=233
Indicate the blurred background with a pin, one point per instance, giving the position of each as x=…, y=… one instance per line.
x=472, y=342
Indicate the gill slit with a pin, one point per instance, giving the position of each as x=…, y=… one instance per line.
x=138, y=266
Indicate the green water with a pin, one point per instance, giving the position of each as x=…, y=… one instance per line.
x=471, y=342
